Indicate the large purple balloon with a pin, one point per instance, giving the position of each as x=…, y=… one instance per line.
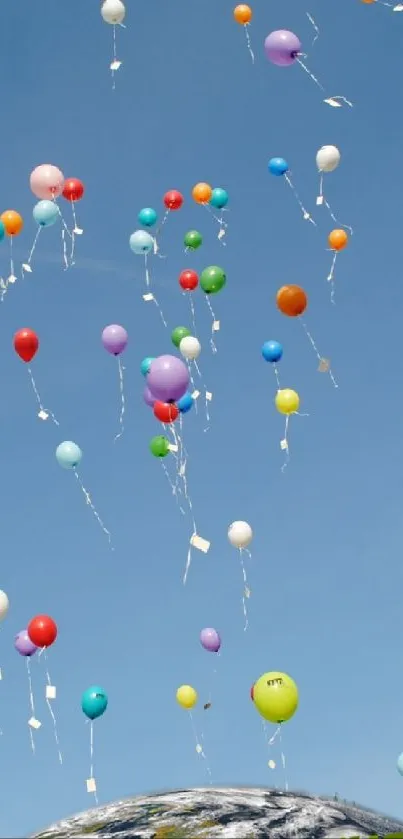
x=210, y=640
x=115, y=338
x=168, y=378
x=23, y=644
x=282, y=47
x=149, y=399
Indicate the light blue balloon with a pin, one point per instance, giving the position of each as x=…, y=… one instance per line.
x=141, y=242
x=94, y=702
x=145, y=365
x=147, y=216
x=272, y=351
x=2, y=231
x=185, y=403
x=68, y=455
x=399, y=764
x=278, y=166
x=46, y=213
x=219, y=198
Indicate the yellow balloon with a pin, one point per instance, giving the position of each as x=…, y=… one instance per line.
x=276, y=697
x=186, y=696
x=287, y=401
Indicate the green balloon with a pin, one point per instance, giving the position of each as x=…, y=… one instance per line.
x=159, y=446
x=193, y=240
x=212, y=279
x=179, y=333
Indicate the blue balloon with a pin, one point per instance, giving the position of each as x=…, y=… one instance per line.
x=219, y=198
x=272, y=351
x=68, y=455
x=278, y=166
x=145, y=365
x=141, y=242
x=2, y=231
x=185, y=403
x=46, y=213
x=94, y=702
x=147, y=216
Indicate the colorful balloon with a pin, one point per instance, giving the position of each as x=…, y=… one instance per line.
x=212, y=279
x=185, y=403
x=159, y=446
x=141, y=242
x=145, y=365
x=173, y=199
x=240, y=534
x=201, y=193
x=94, y=702
x=278, y=166
x=338, y=240
x=243, y=14
x=26, y=344
x=24, y=645
x=193, y=239
x=275, y=696
x=47, y=181
x=399, y=765
x=4, y=605
x=46, y=213
x=165, y=412
x=2, y=231
x=291, y=300
x=178, y=333
x=210, y=640
x=328, y=158
x=42, y=631
x=113, y=12
x=149, y=399
x=68, y=455
x=190, y=347
x=272, y=351
x=282, y=47
x=147, y=216
x=287, y=401
x=219, y=198
x=188, y=280
x=73, y=189
x=168, y=378
x=115, y=338
x=186, y=696
x=12, y=221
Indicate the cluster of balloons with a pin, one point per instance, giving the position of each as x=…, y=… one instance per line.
x=166, y=392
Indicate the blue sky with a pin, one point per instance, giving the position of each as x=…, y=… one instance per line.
x=326, y=575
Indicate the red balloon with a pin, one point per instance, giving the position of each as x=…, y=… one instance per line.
x=173, y=199
x=26, y=343
x=188, y=280
x=165, y=411
x=42, y=631
x=73, y=189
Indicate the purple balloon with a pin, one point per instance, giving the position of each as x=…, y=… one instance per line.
x=149, y=399
x=282, y=47
x=115, y=338
x=23, y=644
x=168, y=378
x=210, y=640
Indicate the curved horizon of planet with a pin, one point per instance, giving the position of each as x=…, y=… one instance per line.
x=227, y=812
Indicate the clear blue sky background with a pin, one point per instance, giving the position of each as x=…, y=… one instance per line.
x=326, y=575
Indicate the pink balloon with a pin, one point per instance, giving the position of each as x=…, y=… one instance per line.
x=47, y=181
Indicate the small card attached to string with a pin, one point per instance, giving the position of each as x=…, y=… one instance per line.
x=34, y=723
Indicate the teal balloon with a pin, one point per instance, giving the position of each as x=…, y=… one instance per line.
x=68, y=455
x=141, y=242
x=147, y=216
x=94, y=702
x=2, y=231
x=46, y=213
x=399, y=764
x=219, y=198
x=145, y=365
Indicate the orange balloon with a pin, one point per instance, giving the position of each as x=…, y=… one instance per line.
x=243, y=14
x=337, y=240
x=12, y=222
x=368, y=1
x=202, y=193
x=291, y=300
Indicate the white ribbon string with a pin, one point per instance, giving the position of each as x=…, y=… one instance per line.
x=92, y=508
x=44, y=413
x=122, y=400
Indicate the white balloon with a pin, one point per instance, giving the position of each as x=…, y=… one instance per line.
x=328, y=158
x=190, y=348
x=4, y=605
x=113, y=11
x=240, y=534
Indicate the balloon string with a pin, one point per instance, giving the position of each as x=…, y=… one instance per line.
x=324, y=366
x=283, y=761
x=248, y=43
x=315, y=27
x=212, y=343
x=27, y=265
x=158, y=230
x=330, y=278
x=192, y=312
x=174, y=487
x=122, y=400
x=77, y=231
x=310, y=74
x=199, y=747
x=44, y=413
x=12, y=277
x=284, y=444
x=91, y=506
x=336, y=220
x=52, y=713
x=148, y=298
x=277, y=376
x=246, y=590
x=220, y=220
x=31, y=704
x=304, y=211
x=92, y=758
x=213, y=679
x=147, y=270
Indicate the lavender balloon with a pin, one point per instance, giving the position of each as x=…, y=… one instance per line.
x=115, y=338
x=168, y=378
x=282, y=47
x=149, y=399
x=24, y=645
x=210, y=640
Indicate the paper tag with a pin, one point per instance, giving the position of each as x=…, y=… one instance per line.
x=173, y=447
x=398, y=8
x=319, y=201
x=43, y=415
x=115, y=66
x=50, y=692
x=77, y=231
x=247, y=592
x=27, y=267
x=209, y=396
x=199, y=543
x=91, y=785
x=216, y=326
x=332, y=103
x=284, y=445
x=199, y=749
x=195, y=395
x=1, y=674
x=306, y=216
x=148, y=297
x=271, y=764
x=34, y=723
x=324, y=365
x=11, y=279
